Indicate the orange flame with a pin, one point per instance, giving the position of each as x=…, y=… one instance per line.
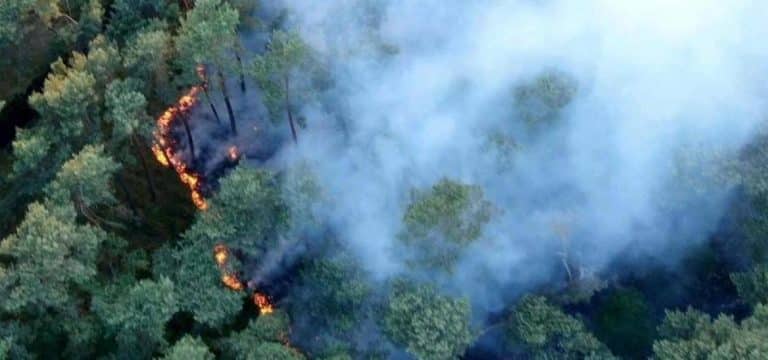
x=233, y=153
x=232, y=282
x=165, y=153
x=221, y=254
x=262, y=301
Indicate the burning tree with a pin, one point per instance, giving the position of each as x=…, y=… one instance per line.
x=208, y=37
x=266, y=337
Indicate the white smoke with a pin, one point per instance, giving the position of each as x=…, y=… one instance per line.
x=653, y=77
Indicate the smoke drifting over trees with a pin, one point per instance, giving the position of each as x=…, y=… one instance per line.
x=575, y=120
x=340, y=179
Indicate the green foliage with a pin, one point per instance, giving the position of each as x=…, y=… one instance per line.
x=264, y=338
x=427, y=324
x=126, y=109
x=332, y=295
x=625, y=323
x=303, y=196
x=84, y=179
x=52, y=257
x=129, y=17
x=277, y=72
x=548, y=333
x=540, y=100
x=208, y=34
x=68, y=100
x=246, y=213
x=13, y=14
x=753, y=285
x=138, y=317
x=443, y=220
x=188, y=348
x=694, y=335
x=30, y=147
x=146, y=57
x=198, y=285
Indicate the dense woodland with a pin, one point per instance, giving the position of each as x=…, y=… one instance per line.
x=120, y=240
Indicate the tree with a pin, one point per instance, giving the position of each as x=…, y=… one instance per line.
x=198, y=284
x=126, y=110
x=68, y=101
x=138, y=317
x=278, y=71
x=146, y=56
x=247, y=212
x=130, y=17
x=443, y=220
x=208, y=36
x=427, y=324
x=548, y=333
x=540, y=100
x=753, y=285
x=694, y=335
x=331, y=295
x=51, y=256
x=264, y=338
x=84, y=180
x=13, y=14
x=188, y=348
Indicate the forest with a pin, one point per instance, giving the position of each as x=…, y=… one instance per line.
x=383, y=179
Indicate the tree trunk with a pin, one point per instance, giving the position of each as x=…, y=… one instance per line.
x=147, y=173
x=189, y=136
x=121, y=183
x=224, y=91
x=242, y=72
x=288, y=109
x=213, y=107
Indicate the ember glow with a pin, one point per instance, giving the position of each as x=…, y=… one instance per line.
x=221, y=254
x=233, y=153
x=165, y=150
x=232, y=282
x=262, y=301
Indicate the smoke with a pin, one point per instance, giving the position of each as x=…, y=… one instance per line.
x=423, y=85
x=619, y=169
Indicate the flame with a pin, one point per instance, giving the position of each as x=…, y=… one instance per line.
x=233, y=153
x=262, y=301
x=221, y=254
x=232, y=282
x=164, y=150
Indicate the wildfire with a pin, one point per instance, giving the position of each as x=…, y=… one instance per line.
x=221, y=254
x=232, y=281
x=262, y=301
x=165, y=153
x=233, y=153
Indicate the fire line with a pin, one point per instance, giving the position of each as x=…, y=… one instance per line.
x=233, y=282
x=166, y=153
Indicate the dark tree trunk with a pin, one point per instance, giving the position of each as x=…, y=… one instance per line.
x=145, y=166
x=242, y=72
x=224, y=91
x=288, y=109
x=213, y=107
x=189, y=136
x=121, y=183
